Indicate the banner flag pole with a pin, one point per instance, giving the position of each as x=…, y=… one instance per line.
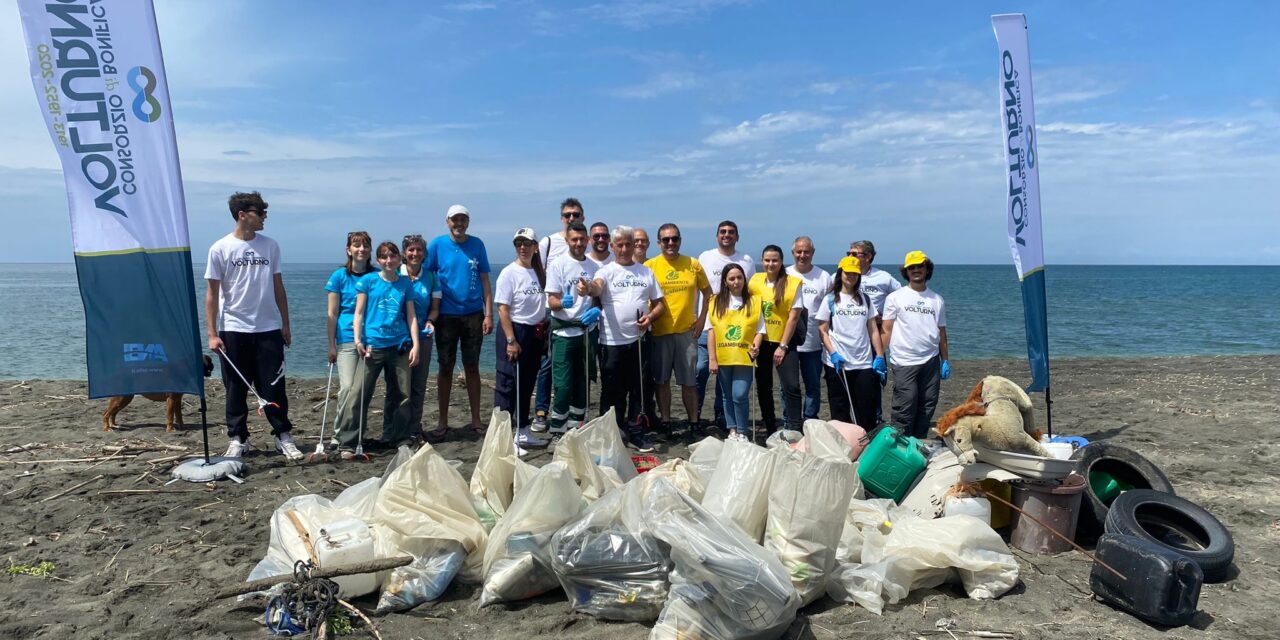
x=1022, y=203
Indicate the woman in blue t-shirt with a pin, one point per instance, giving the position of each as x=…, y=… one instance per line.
x=425, y=295
x=386, y=336
x=341, y=290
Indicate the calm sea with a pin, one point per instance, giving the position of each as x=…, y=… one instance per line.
x=1093, y=311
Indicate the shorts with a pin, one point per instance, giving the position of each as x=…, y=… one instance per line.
x=675, y=353
x=452, y=330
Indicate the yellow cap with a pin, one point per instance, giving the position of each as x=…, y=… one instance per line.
x=850, y=264
x=915, y=257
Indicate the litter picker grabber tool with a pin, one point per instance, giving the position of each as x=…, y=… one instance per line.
x=262, y=404
x=751, y=404
x=642, y=419
x=319, y=453
x=586, y=372
x=517, y=416
x=848, y=396
x=364, y=415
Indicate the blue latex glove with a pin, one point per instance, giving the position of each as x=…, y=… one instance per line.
x=428, y=330
x=880, y=368
x=567, y=299
x=590, y=317
x=837, y=361
x=946, y=369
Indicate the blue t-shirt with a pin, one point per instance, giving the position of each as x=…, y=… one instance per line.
x=420, y=295
x=345, y=286
x=458, y=268
x=384, y=320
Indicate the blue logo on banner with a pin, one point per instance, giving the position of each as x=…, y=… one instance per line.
x=138, y=352
x=145, y=105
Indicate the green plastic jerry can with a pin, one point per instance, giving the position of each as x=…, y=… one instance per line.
x=890, y=464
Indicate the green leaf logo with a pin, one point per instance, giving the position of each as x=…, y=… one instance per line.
x=734, y=332
x=766, y=309
x=672, y=275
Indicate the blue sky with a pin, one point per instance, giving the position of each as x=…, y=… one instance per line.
x=1159, y=124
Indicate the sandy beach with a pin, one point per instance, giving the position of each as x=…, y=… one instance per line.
x=146, y=565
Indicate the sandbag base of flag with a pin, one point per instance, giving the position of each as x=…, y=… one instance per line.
x=215, y=468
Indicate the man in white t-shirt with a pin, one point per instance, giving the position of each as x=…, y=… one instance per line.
x=805, y=361
x=552, y=247
x=574, y=334
x=915, y=323
x=248, y=324
x=598, y=251
x=630, y=300
x=713, y=262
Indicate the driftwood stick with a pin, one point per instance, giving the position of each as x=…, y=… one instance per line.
x=374, y=566
x=1051, y=530
x=73, y=488
x=131, y=492
x=370, y=627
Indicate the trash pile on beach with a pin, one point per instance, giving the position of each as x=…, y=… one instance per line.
x=732, y=542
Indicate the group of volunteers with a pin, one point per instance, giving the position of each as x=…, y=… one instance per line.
x=579, y=307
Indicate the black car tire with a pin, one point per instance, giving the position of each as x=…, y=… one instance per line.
x=1122, y=463
x=1176, y=523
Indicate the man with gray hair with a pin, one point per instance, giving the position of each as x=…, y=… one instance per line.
x=630, y=301
x=805, y=362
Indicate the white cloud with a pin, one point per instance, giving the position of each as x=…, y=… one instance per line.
x=927, y=128
x=769, y=125
x=658, y=85
x=471, y=6
x=643, y=14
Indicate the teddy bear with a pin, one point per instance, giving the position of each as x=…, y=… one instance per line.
x=997, y=415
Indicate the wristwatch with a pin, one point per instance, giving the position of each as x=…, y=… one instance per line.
x=784, y=347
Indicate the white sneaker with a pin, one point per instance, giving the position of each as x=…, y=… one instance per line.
x=539, y=423
x=235, y=448
x=285, y=445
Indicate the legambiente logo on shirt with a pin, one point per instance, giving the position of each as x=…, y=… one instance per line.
x=250, y=259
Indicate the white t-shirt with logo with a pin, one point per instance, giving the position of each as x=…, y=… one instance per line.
x=518, y=288
x=713, y=262
x=814, y=287
x=561, y=278
x=628, y=291
x=917, y=317
x=877, y=285
x=848, y=330
x=552, y=247
x=246, y=273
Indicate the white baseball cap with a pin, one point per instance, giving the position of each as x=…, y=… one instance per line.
x=457, y=209
x=527, y=234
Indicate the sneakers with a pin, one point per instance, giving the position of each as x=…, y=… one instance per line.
x=640, y=441
x=285, y=445
x=346, y=455
x=526, y=439
x=539, y=423
x=236, y=448
x=735, y=436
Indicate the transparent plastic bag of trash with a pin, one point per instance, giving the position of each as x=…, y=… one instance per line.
x=739, y=489
x=917, y=553
x=723, y=585
x=808, y=499
x=425, y=500
x=783, y=439
x=493, y=478
x=435, y=564
x=681, y=473
x=861, y=515
x=517, y=557
x=608, y=562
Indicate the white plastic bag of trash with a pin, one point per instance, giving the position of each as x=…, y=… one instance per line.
x=682, y=474
x=607, y=559
x=493, y=478
x=739, y=489
x=808, y=499
x=723, y=585
x=423, y=501
x=517, y=559
x=918, y=553
x=861, y=514
x=593, y=454
x=704, y=455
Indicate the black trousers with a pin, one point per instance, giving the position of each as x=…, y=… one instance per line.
x=650, y=385
x=260, y=358
x=508, y=392
x=764, y=385
x=789, y=376
x=620, y=382
x=864, y=387
x=915, y=396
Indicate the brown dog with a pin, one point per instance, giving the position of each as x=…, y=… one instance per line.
x=172, y=405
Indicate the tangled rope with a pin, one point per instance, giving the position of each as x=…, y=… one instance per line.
x=303, y=605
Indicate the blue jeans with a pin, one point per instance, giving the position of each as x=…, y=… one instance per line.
x=542, y=392
x=811, y=373
x=704, y=372
x=737, y=379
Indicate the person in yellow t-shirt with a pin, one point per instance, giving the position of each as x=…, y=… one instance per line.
x=737, y=329
x=780, y=309
x=675, y=333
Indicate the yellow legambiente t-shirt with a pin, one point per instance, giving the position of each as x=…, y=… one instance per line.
x=775, y=320
x=735, y=332
x=680, y=282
